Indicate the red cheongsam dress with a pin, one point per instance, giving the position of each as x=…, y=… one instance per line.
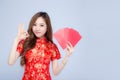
x=38, y=59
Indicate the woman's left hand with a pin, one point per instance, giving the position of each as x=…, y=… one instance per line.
x=69, y=49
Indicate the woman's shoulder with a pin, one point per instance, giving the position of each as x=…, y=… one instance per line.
x=21, y=41
x=51, y=44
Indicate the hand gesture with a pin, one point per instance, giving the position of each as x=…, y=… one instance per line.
x=21, y=32
x=69, y=49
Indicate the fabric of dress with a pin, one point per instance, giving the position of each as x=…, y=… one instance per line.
x=38, y=59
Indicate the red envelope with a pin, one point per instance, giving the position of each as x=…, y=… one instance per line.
x=73, y=37
x=59, y=35
x=67, y=34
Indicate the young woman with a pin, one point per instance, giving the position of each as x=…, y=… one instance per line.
x=37, y=49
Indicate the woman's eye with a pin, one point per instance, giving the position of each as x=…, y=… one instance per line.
x=42, y=25
x=34, y=24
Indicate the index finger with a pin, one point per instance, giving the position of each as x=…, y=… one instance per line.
x=21, y=29
x=70, y=44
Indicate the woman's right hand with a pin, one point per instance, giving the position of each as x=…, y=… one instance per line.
x=22, y=35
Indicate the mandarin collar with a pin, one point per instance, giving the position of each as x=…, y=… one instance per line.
x=41, y=40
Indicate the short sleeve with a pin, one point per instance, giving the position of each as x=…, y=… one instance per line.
x=20, y=46
x=55, y=52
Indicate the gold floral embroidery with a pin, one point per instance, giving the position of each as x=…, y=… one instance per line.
x=42, y=54
x=34, y=51
x=43, y=46
x=38, y=60
x=38, y=66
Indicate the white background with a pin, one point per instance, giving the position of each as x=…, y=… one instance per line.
x=95, y=57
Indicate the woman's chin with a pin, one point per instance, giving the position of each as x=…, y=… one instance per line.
x=39, y=36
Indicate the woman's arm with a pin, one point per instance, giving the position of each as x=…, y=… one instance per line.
x=57, y=68
x=13, y=53
x=13, y=56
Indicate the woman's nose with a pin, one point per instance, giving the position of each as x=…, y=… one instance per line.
x=37, y=28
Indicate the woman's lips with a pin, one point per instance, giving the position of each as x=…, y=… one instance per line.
x=37, y=32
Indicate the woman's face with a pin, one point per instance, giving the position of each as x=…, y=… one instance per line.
x=40, y=27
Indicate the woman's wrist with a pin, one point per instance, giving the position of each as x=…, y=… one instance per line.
x=67, y=55
x=16, y=39
x=64, y=63
x=65, y=59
